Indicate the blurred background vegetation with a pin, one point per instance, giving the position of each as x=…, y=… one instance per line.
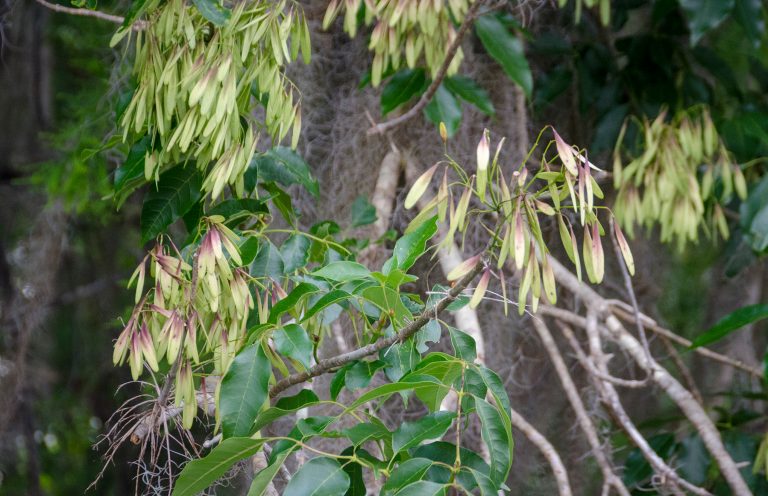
x=65, y=252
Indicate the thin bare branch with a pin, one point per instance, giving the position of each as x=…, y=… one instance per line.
x=88, y=13
x=441, y=73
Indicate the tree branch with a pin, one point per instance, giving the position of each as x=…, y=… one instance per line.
x=546, y=448
x=328, y=364
x=82, y=12
x=432, y=89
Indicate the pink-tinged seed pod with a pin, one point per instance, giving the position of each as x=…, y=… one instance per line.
x=419, y=187
x=463, y=268
x=587, y=254
x=480, y=290
x=148, y=348
x=519, y=244
x=135, y=356
x=566, y=154
x=626, y=253
x=548, y=277
x=443, y=129
x=122, y=344
x=598, y=256
x=483, y=157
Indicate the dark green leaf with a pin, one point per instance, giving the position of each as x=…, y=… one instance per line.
x=237, y=208
x=284, y=166
x=355, y=472
x=749, y=13
x=423, y=488
x=360, y=374
x=444, y=108
x=282, y=201
x=753, y=216
x=401, y=88
x=400, y=358
x=343, y=271
x=248, y=249
x=331, y=298
x=387, y=390
x=705, y=15
x=318, y=477
x=363, y=213
x=268, y=262
x=469, y=91
x=213, y=11
x=406, y=473
x=427, y=428
x=293, y=341
x=199, y=474
x=636, y=467
x=338, y=380
x=131, y=173
x=295, y=252
x=463, y=345
x=289, y=302
x=361, y=433
x=497, y=438
x=506, y=49
x=730, y=323
x=285, y=406
x=693, y=459
x=262, y=480
x=411, y=246
x=429, y=333
x=177, y=191
x=486, y=485
x=446, y=454
x=244, y=389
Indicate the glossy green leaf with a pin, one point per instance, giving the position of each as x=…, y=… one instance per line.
x=406, y=473
x=338, y=380
x=429, y=333
x=177, y=191
x=469, y=91
x=753, y=217
x=331, y=298
x=237, y=209
x=496, y=386
x=731, y=322
x=403, y=86
x=282, y=201
x=484, y=483
x=295, y=252
x=705, y=15
x=197, y=475
x=387, y=390
x=289, y=302
x=411, y=246
x=388, y=300
x=244, y=390
x=400, y=358
x=444, y=108
x=446, y=453
x=284, y=406
x=363, y=213
x=355, y=472
x=213, y=11
x=636, y=467
x=427, y=428
x=268, y=262
x=284, y=166
x=463, y=345
x=360, y=374
x=343, y=271
x=506, y=49
x=293, y=341
x=249, y=248
x=749, y=13
x=497, y=439
x=130, y=174
x=361, y=433
x=423, y=488
x=320, y=476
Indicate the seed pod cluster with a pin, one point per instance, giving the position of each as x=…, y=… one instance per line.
x=197, y=83
x=563, y=190
x=404, y=31
x=679, y=181
x=188, y=312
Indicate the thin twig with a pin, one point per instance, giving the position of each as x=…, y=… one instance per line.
x=88, y=13
x=329, y=364
x=441, y=73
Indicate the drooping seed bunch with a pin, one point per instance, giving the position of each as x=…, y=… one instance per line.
x=197, y=82
x=681, y=179
x=564, y=192
x=404, y=30
x=189, y=312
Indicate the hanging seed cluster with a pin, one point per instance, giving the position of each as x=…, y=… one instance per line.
x=197, y=83
x=404, y=31
x=564, y=192
x=188, y=312
x=680, y=180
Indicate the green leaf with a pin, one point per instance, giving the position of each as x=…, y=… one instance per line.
x=506, y=49
x=705, y=15
x=327, y=300
x=400, y=358
x=293, y=341
x=753, y=216
x=730, y=323
x=282, y=201
x=749, y=13
x=237, y=208
x=444, y=108
x=248, y=249
x=497, y=438
x=319, y=476
x=388, y=390
x=213, y=11
x=406, y=473
x=469, y=91
x=244, y=390
x=295, y=252
x=429, y=333
x=423, y=488
x=363, y=213
x=197, y=475
x=411, y=246
x=427, y=428
x=355, y=472
x=494, y=383
x=403, y=86
x=262, y=479
x=360, y=374
x=338, y=380
x=284, y=166
x=268, y=262
x=364, y=432
x=388, y=300
x=343, y=271
x=130, y=174
x=446, y=453
x=285, y=406
x=486, y=485
x=177, y=191
x=463, y=345
x=636, y=467
x=289, y=302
